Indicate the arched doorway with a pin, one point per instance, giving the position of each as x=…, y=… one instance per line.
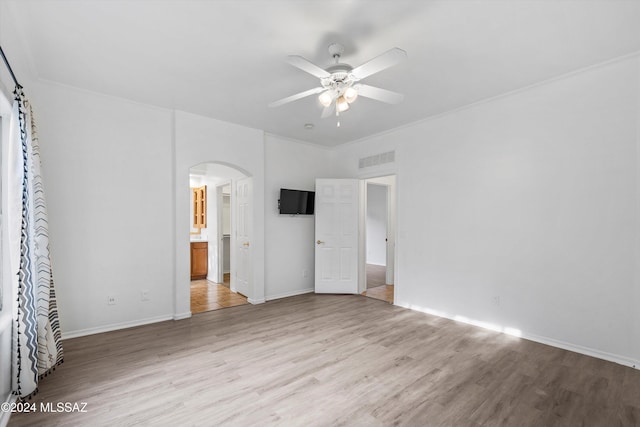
x=220, y=224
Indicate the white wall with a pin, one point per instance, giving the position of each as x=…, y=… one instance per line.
x=107, y=172
x=290, y=239
x=376, y=224
x=226, y=213
x=531, y=198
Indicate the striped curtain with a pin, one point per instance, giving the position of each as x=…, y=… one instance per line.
x=37, y=344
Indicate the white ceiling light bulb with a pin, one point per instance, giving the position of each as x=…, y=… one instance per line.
x=325, y=98
x=350, y=95
x=342, y=104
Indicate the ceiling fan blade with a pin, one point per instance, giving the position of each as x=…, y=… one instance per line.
x=328, y=111
x=379, y=63
x=296, y=97
x=379, y=94
x=305, y=65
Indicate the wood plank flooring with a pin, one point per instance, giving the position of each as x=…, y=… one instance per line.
x=376, y=275
x=376, y=287
x=330, y=360
x=207, y=296
x=383, y=293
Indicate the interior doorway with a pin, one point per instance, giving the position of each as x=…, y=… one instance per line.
x=379, y=247
x=213, y=222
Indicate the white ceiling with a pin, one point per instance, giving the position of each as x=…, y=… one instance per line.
x=226, y=59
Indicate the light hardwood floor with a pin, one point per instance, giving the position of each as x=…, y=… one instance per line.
x=330, y=360
x=207, y=296
x=376, y=287
x=383, y=293
x=376, y=275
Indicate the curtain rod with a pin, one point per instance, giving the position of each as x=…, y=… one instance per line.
x=6, y=62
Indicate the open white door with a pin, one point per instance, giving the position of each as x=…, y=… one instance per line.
x=336, y=216
x=219, y=248
x=243, y=198
x=391, y=231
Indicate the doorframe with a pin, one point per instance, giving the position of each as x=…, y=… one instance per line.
x=182, y=283
x=392, y=231
x=220, y=230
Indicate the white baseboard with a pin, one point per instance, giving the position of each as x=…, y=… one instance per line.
x=115, y=326
x=4, y=416
x=290, y=294
x=256, y=301
x=185, y=315
x=622, y=360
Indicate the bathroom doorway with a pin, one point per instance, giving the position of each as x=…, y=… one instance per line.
x=213, y=217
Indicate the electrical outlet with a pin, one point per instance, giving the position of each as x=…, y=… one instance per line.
x=496, y=300
x=305, y=273
x=144, y=295
x=111, y=300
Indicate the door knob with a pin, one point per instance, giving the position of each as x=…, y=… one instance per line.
x=319, y=242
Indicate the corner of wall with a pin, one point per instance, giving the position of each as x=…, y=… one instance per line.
x=636, y=329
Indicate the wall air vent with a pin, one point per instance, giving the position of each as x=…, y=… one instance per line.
x=377, y=159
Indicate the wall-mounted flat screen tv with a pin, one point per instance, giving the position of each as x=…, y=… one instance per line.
x=296, y=202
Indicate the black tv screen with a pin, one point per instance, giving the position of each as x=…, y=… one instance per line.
x=296, y=202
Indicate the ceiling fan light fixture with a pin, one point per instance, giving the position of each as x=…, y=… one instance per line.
x=325, y=98
x=350, y=95
x=338, y=86
x=342, y=104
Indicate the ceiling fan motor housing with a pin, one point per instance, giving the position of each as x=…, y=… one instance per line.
x=340, y=78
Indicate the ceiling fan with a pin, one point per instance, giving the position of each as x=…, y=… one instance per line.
x=340, y=83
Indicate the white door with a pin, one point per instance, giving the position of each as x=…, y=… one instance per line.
x=391, y=230
x=222, y=228
x=336, y=215
x=243, y=236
